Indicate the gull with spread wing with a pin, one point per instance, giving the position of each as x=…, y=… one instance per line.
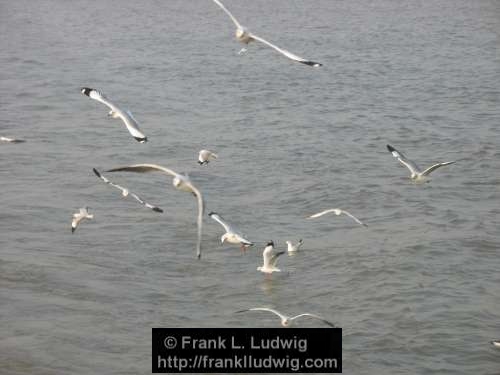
x=270, y=259
x=115, y=112
x=180, y=182
x=126, y=192
x=245, y=37
x=79, y=216
x=287, y=321
x=231, y=235
x=416, y=173
x=11, y=140
x=337, y=212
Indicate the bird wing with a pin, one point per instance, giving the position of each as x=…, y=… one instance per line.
x=285, y=52
x=146, y=204
x=145, y=168
x=244, y=241
x=354, y=218
x=322, y=213
x=404, y=160
x=274, y=258
x=264, y=309
x=98, y=174
x=221, y=221
x=12, y=140
x=132, y=125
x=228, y=13
x=435, y=166
x=201, y=211
x=315, y=317
x=97, y=95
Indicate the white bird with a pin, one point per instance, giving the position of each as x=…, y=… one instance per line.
x=245, y=37
x=180, y=182
x=496, y=343
x=79, y=216
x=205, y=156
x=294, y=247
x=231, y=235
x=416, y=173
x=115, y=112
x=287, y=321
x=11, y=140
x=337, y=212
x=270, y=259
x=126, y=192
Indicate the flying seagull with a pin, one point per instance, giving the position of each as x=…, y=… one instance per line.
x=270, y=259
x=205, y=156
x=126, y=192
x=496, y=343
x=416, y=174
x=245, y=37
x=337, y=212
x=79, y=216
x=180, y=182
x=115, y=112
x=231, y=235
x=294, y=247
x=287, y=321
x=11, y=140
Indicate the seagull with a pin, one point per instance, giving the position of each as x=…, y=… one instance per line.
x=126, y=192
x=11, y=140
x=231, y=235
x=205, y=156
x=337, y=212
x=270, y=259
x=115, y=112
x=416, y=174
x=180, y=182
x=79, y=216
x=245, y=36
x=293, y=248
x=287, y=321
x=496, y=343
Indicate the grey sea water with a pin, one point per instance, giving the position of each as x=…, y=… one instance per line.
x=415, y=293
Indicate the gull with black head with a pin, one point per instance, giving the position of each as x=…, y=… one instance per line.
x=270, y=259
